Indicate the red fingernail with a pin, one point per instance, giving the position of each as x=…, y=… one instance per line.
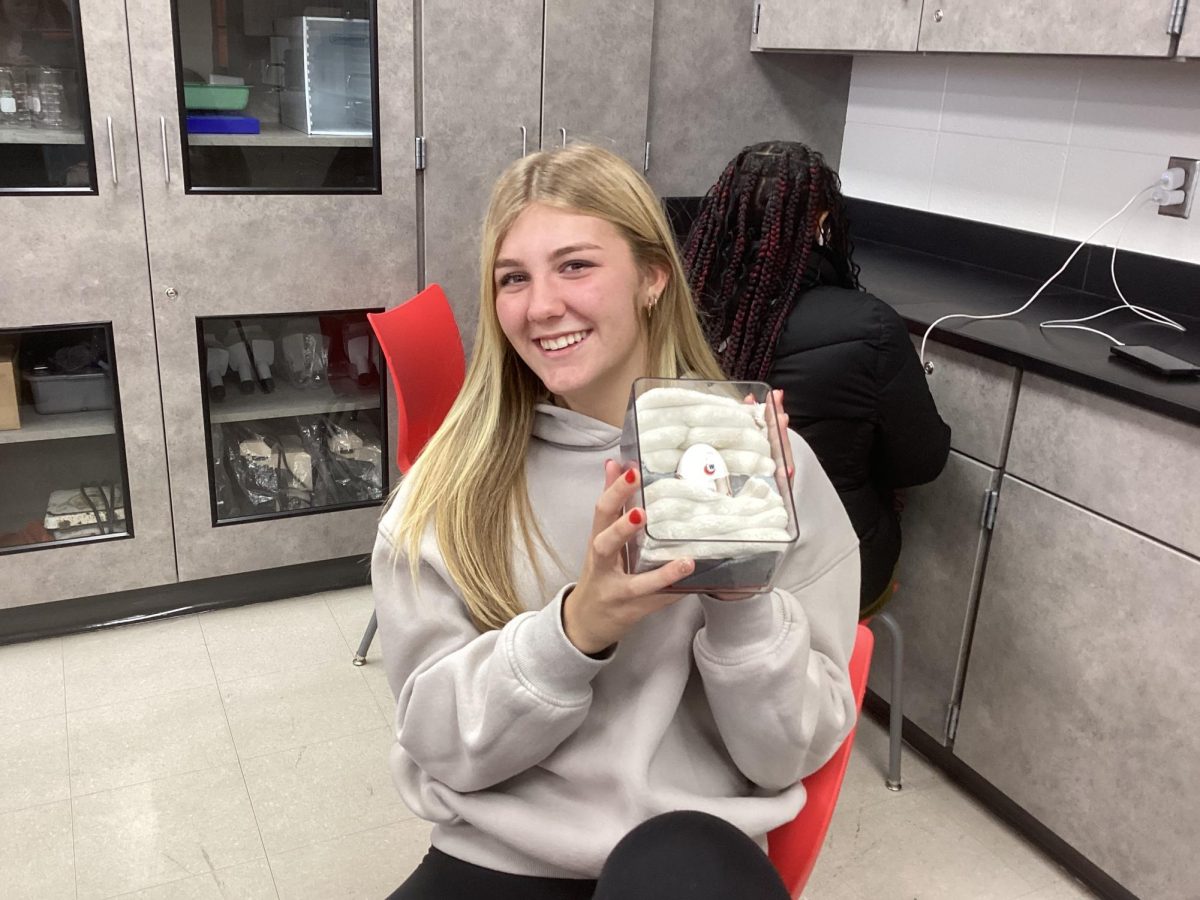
x=635, y=517
x=630, y=476
x=791, y=471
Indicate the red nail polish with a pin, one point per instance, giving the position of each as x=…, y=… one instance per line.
x=635, y=517
x=630, y=476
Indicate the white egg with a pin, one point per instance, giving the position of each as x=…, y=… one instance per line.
x=703, y=465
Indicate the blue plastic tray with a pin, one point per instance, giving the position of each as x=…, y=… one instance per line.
x=212, y=124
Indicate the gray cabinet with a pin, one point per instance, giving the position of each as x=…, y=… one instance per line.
x=74, y=259
x=945, y=543
x=596, y=74
x=253, y=250
x=1129, y=464
x=1189, y=41
x=1085, y=27
x=747, y=97
x=837, y=25
x=1080, y=699
x=975, y=396
x=481, y=98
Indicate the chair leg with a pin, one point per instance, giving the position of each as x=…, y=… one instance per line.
x=360, y=658
x=896, y=701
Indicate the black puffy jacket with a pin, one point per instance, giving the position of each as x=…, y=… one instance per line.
x=854, y=388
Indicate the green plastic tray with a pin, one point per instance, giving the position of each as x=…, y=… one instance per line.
x=216, y=96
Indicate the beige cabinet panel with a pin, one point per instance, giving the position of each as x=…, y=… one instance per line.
x=837, y=25
x=1084, y=27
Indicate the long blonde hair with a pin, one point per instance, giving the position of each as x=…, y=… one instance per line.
x=470, y=479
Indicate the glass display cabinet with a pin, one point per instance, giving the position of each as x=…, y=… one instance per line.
x=274, y=98
x=61, y=446
x=45, y=132
x=295, y=414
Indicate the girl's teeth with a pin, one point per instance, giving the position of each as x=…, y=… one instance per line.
x=565, y=341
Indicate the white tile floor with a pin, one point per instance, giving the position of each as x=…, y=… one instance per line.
x=238, y=754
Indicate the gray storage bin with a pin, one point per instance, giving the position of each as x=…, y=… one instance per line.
x=70, y=393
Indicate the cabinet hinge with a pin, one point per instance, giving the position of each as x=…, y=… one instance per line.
x=420, y=153
x=991, y=499
x=646, y=159
x=952, y=723
x=758, y=15
x=1175, y=20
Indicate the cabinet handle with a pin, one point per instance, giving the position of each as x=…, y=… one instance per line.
x=563, y=131
x=524, y=141
x=112, y=149
x=162, y=129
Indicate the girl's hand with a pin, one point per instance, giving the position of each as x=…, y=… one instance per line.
x=607, y=602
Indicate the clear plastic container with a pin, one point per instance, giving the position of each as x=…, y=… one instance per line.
x=714, y=482
x=70, y=393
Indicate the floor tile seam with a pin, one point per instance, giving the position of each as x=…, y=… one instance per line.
x=6, y=724
x=320, y=665
x=71, y=800
x=166, y=693
x=286, y=668
x=339, y=837
x=156, y=778
x=31, y=806
x=353, y=648
x=160, y=884
x=241, y=770
x=319, y=743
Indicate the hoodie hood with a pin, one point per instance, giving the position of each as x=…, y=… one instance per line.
x=573, y=431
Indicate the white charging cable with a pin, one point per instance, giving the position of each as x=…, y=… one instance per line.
x=1161, y=192
x=1158, y=185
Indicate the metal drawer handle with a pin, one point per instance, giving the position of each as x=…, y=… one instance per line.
x=162, y=128
x=564, y=135
x=524, y=141
x=112, y=149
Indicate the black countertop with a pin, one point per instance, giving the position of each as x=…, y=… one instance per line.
x=923, y=287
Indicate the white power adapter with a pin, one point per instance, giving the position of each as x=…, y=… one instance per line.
x=1165, y=197
x=1172, y=178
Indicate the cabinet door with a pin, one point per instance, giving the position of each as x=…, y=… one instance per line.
x=596, y=74
x=1189, y=41
x=941, y=563
x=837, y=25
x=747, y=97
x=975, y=396
x=1084, y=27
x=74, y=298
x=1146, y=477
x=258, y=241
x=1080, y=697
x=481, y=96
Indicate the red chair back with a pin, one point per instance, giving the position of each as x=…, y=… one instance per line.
x=424, y=353
x=793, y=847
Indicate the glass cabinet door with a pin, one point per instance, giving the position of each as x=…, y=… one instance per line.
x=295, y=414
x=45, y=135
x=61, y=449
x=275, y=98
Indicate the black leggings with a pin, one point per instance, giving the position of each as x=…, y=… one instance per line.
x=674, y=856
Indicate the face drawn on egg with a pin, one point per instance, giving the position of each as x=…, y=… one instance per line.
x=701, y=464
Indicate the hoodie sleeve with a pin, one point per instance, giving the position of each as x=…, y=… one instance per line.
x=775, y=667
x=473, y=709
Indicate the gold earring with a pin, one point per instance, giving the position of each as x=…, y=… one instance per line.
x=650, y=305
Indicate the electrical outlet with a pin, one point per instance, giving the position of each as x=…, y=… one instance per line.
x=1191, y=175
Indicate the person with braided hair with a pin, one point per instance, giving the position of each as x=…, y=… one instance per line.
x=771, y=267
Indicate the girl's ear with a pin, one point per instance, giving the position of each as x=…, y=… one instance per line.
x=656, y=279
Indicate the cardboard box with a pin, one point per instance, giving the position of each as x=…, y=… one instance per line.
x=10, y=416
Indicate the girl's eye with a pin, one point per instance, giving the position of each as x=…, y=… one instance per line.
x=510, y=278
x=576, y=265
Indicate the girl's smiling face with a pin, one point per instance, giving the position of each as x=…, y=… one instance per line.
x=570, y=299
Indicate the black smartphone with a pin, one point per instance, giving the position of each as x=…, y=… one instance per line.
x=1156, y=361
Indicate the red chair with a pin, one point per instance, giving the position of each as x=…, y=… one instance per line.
x=793, y=847
x=424, y=353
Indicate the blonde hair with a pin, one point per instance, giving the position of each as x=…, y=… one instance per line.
x=470, y=481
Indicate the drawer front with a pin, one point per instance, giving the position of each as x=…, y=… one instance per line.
x=1135, y=466
x=974, y=396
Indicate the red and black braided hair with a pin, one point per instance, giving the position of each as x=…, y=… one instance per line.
x=755, y=247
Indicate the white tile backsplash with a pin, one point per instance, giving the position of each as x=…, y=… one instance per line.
x=911, y=97
x=1006, y=182
x=891, y=165
x=992, y=97
x=1048, y=144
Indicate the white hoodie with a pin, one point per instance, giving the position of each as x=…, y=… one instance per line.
x=532, y=758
